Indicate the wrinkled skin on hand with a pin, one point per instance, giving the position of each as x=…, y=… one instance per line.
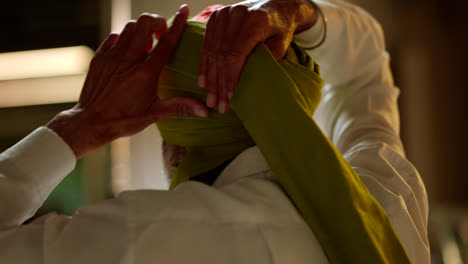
x=232, y=32
x=119, y=97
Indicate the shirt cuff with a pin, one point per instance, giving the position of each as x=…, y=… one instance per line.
x=43, y=159
x=312, y=36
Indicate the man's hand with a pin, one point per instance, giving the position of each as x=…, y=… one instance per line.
x=233, y=32
x=119, y=97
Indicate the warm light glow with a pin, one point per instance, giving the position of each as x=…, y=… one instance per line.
x=38, y=91
x=44, y=63
x=121, y=14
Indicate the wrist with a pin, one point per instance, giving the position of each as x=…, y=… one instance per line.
x=72, y=127
x=306, y=16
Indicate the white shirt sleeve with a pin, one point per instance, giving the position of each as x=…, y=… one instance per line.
x=359, y=114
x=29, y=171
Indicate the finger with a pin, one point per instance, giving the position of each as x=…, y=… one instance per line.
x=235, y=21
x=124, y=39
x=214, y=41
x=252, y=32
x=107, y=44
x=207, y=67
x=237, y=15
x=223, y=106
x=147, y=24
x=207, y=39
x=178, y=106
x=216, y=70
x=160, y=54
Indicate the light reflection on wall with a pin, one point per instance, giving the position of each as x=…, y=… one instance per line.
x=121, y=13
x=44, y=63
x=40, y=77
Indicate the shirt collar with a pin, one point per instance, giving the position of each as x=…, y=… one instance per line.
x=249, y=162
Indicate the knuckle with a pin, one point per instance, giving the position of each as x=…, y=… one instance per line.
x=181, y=108
x=113, y=35
x=212, y=84
x=220, y=60
x=212, y=19
x=239, y=9
x=131, y=23
x=214, y=13
x=159, y=19
x=145, y=18
x=223, y=11
x=211, y=57
x=130, y=26
x=232, y=57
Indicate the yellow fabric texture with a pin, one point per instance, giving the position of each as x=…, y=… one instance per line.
x=272, y=108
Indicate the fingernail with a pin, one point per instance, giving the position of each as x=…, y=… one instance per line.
x=202, y=81
x=222, y=107
x=211, y=100
x=230, y=95
x=200, y=112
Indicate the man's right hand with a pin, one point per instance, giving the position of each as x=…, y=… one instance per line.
x=233, y=32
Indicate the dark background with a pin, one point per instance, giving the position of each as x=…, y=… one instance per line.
x=427, y=41
x=26, y=24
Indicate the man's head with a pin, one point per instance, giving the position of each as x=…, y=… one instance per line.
x=208, y=143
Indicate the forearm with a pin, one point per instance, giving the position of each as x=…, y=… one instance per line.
x=81, y=131
x=359, y=114
x=354, y=44
x=354, y=64
x=306, y=16
x=29, y=171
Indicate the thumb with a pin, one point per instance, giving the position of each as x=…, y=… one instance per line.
x=179, y=106
x=277, y=46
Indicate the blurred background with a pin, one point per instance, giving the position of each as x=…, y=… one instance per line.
x=426, y=40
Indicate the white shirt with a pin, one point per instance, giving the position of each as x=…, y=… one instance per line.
x=245, y=217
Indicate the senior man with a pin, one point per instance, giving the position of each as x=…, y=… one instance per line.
x=244, y=217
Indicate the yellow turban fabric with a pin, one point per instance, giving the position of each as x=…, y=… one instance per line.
x=272, y=108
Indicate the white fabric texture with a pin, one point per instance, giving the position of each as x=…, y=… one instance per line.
x=245, y=217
